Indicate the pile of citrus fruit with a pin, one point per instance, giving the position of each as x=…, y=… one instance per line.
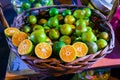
x=63, y=35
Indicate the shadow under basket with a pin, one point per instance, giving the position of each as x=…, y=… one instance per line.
x=53, y=66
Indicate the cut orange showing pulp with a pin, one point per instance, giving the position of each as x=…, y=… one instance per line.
x=81, y=49
x=43, y=50
x=18, y=37
x=25, y=47
x=10, y=31
x=67, y=53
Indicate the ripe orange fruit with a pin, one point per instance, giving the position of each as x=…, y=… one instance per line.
x=67, y=53
x=10, y=31
x=25, y=47
x=43, y=50
x=81, y=49
x=18, y=37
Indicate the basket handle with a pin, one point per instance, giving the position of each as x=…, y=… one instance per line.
x=2, y=18
x=113, y=10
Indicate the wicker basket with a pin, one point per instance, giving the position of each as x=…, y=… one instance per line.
x=54, y=67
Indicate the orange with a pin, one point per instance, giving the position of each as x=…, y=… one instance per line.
x=25, y=47
x=69, y=19
x=65, y=39
x=67, y=53
x=101, y=43
x=18, y=37
x=42, y=21
x=81, y=49
x=104, y=35
x=10, y=31
x=43, y=50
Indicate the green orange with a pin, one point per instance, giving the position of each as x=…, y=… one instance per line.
x=65, y=39
x=53, y=11
x=57, y=46
x=66, y=29
x=54, y=34
x=69, y=19
x=38, y=36
x=32, y=19
x=66, y=12
x=101, y=43
x=79, y=14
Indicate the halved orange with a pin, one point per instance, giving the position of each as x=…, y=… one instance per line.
x=81, y=49
x=18, y=37
x=25, y=47
x=43, y=50
x=10, y=31
x=67, y=53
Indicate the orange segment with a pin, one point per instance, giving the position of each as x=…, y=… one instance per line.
x=67, y=53
x=43, y=50
x=25, y=47
x=18, y=37
x=81, y=49
x=10, y=31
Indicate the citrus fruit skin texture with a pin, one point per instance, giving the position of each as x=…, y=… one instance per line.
x=18, y=37
x=81, y=49
x=25, y=47
x=66, y=12
x=53, y=22
x=101, y=43
x=66, y=29
x=54, y=34
x=38, y=27
x=65, y=39
x=32, y=19
x=79, y=14
x=104, y=35
x=38, y=36
x=11, y=31
x=26, y=29
x=92, y=47
x=57, y=46
x=53, y=11
x=69, y=19
x=67, y=53
x=26, y=6
x=43, y=50
x=87, y=12
x=88, y=36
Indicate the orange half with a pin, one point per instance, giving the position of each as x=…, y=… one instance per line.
x=10, y=31
x=67, y=53
x=25, y=47
x=18, y=37
x=43, y=50
x=81, y=49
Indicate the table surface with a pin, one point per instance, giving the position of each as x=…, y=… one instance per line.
x=110, y=61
